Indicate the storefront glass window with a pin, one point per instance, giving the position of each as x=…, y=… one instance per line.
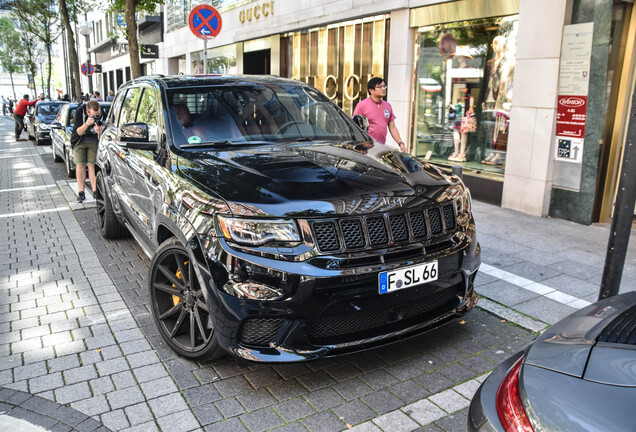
x=463, y=93
x=221, y=60
x=338, y=59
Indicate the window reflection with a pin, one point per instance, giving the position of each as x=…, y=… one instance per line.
x=463, y=92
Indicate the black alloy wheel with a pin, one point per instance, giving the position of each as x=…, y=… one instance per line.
x=109, y=226
x=70, y=172
x=178, y=306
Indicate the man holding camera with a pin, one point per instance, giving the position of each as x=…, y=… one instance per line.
x=84, y=139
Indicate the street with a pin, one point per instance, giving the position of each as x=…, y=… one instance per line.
x=79, y=349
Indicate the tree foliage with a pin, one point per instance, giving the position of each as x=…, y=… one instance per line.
x=130, y=8
x=11, y=51
x=38, y=18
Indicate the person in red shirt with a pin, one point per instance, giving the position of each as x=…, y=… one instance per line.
x=379, y=113
x=20, y=111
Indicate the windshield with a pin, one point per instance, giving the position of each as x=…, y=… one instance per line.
x=47, y=109
x=240, y=113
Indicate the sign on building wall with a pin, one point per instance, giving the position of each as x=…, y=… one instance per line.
x=574, y=79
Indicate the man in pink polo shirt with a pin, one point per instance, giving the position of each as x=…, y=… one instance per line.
x=379, y=113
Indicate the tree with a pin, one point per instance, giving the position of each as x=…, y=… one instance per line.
x=10, y=53
x=130, y=7
x=69, y=14
x=39, y=18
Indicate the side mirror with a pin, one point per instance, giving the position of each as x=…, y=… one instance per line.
x=362, y=122
x=135, y=136
x=56, y=125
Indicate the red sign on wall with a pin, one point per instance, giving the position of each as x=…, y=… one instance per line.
x=571, y=115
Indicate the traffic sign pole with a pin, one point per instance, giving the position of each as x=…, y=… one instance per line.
x=205, y=56
x=205, y=23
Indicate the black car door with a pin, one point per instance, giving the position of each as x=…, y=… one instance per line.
x=130, y=168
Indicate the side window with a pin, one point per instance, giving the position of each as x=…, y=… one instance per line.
x=60, y=115
x=114, y=112
x=71, y=117
x=147, y=112
x=129, y=107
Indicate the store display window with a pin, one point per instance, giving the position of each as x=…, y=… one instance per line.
x=463, y=93
x=221, y=60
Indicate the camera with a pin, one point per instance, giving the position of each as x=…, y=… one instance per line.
x=98, y=120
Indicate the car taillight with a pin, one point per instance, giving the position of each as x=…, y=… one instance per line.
x=510, y=409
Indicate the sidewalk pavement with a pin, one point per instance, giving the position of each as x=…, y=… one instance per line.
x=79, y=351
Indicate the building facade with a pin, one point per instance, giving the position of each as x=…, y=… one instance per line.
x=484, y=84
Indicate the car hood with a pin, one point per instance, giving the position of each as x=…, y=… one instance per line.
x=583, y=344
x=48, y=119
x=313, y=179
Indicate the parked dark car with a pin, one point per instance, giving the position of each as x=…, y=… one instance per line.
x=278, y=231
x=38, y=120
x=580, y=375
x=61, y=130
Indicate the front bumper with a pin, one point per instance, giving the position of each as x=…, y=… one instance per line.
x=43, y=135
x=326, y=310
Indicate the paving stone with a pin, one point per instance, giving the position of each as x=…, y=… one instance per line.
x=263, y=377
x=409, y=391
x=294, y=409
x=78, y=374
x=233, y=424
x=101, y=385
x=150, y=372
x=46, y=382
x=126, y=397
x=449, y=400
x=352, y=389
x=115, y=420
x=123, y=380
x=434, y=382
x=453, y=423
x=143, y=358
x=74, y=347
x=316, y=380
x=93, y=406
x=324, y=421
x=291, y=427
x=30, y=371
x=207, y=414
x=160, y=387
x=73, y=393
x=256, y=399
x=165, y=405
x=354, y=412
x=395, y=421
x=206, y=394
x=109, y=367
x=110, y=352
x=179, y=422
x=229, y=407
x=379, y=379
x=138, y=414
x=423, y=412
x=261, y=420
x=206, y=375
x=382, y=401
x=324, y=399
x=287, y=389
x=233, y=386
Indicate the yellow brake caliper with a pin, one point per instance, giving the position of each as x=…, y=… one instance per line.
x=176, y=299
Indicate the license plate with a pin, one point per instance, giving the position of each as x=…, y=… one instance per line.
x=407, y=277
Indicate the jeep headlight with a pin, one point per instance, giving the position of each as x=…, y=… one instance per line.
x=43, y=126
x=257, y=232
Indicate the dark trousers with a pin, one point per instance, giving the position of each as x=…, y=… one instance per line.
x=19, y=124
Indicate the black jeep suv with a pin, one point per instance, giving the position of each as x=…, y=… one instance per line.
x=278, y=230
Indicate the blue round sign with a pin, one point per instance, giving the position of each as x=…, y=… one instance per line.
x=205, y=22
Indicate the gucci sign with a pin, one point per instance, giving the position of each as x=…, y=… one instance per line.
x=256, y=12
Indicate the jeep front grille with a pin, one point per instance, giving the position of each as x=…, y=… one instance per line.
x=355, y=233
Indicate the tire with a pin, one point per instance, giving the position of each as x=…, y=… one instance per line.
x=109, y=226
x=38, y=142
x=177, y=303
x=67, y=161
x=56, y=157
